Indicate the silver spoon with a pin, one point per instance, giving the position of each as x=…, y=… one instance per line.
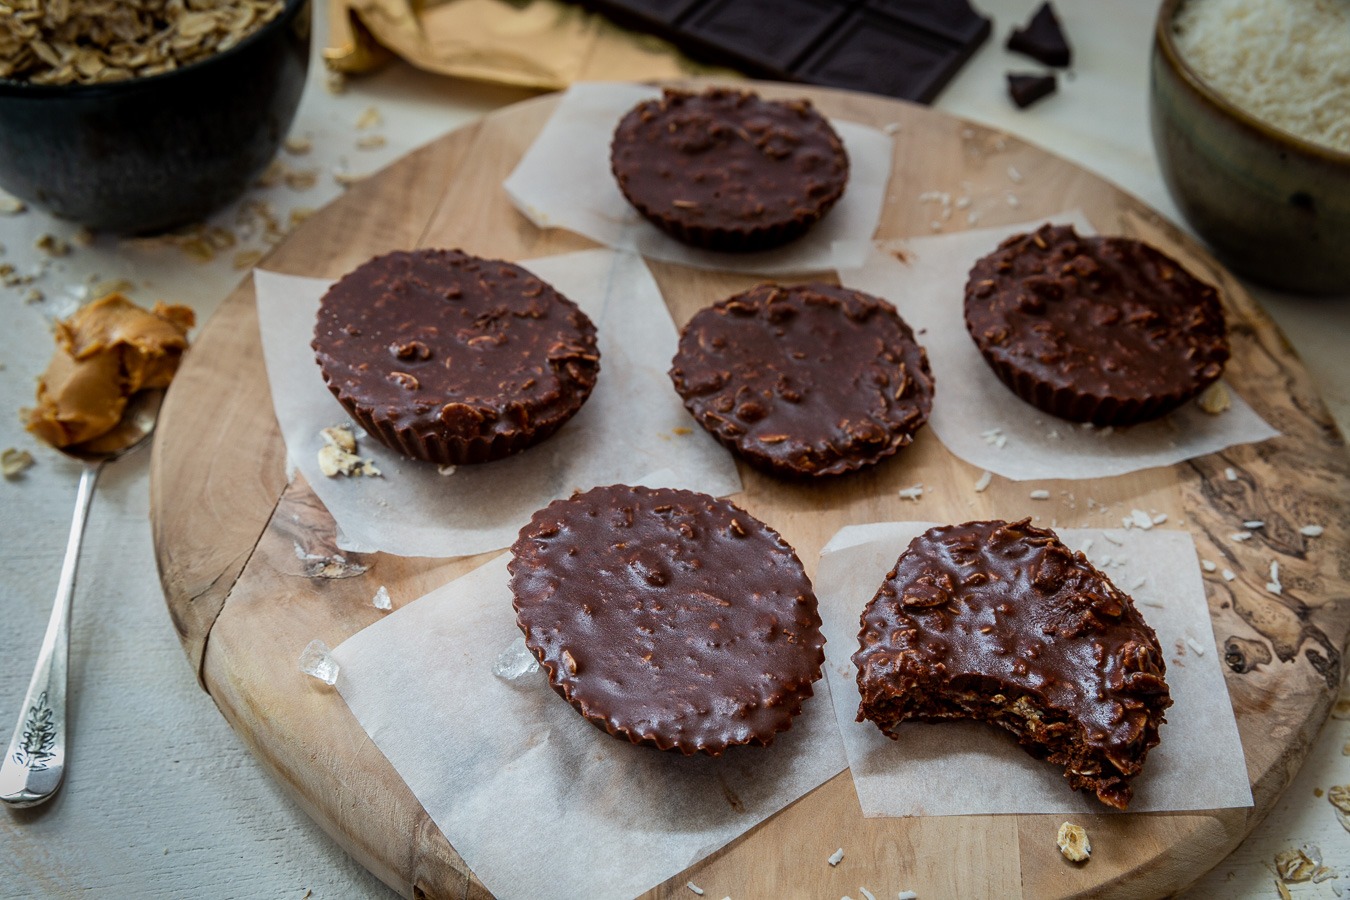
x=35, y=761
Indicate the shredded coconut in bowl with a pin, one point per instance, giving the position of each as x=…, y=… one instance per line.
x=1286, y=62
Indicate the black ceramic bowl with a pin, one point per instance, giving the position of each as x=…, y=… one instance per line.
x=148, y=154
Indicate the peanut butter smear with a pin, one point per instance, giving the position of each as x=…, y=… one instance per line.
x=106, y=352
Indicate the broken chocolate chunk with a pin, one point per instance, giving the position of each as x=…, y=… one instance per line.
x=1027, y=89
x=1042, y=39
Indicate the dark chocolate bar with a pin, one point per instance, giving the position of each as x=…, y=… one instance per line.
x=1043, y=39
x=1027, y=89
x=901, y=48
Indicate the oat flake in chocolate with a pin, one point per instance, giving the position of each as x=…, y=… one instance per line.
x=451, y=358
x=1106, y=330
x=806, y=380
x=726, y=170
x=668, y=618
x=1001, y=622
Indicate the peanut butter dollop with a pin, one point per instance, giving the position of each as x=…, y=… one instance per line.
x=106, y=352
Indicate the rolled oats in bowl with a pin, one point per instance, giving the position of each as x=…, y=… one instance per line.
x=99, y=41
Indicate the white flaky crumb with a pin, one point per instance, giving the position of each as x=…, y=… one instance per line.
x=1141, y=519
x=1160, y=518
x=1230, y=473
x=907, y=895
x=1228, y=575
x=1073, y=842
x=836, y=857
x=1311, y=530
x=914, y=492
x=1039, y=495
x=381, y=600
x=1196, y=646
x=693, y=887
x=987, y=477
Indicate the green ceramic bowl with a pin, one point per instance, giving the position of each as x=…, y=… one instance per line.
x=1274, y=207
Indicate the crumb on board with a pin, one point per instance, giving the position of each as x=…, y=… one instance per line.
x=836, y=857
x=693, y=887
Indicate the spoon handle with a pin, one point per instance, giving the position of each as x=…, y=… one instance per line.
x=35, y=761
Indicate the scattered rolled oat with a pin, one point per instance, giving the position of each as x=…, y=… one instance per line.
x=11, y=206
x=247, y=259
x=1311, y=530
x=298, y=146
x=1293, y=865
x=13, y=461
x=370, y=117
x=370, y=142
x=984, y=482
x=301, y=179
x=836, y=857
x=52, y=245
x=1073, y=842
x=1039, y=495
x=1284, y=891
x=1215, y=399
x=1339, y=797
x=347, y=179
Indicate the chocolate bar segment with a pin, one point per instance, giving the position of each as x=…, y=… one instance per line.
x=1043, y=39
x=1027, y=89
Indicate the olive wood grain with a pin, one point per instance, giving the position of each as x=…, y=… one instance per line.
x=229, y=533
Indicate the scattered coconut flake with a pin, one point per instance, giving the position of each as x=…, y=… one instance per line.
x=447, y=469
x=1105, y=561
x=1208, y=565
x=1139, y=582
x=1215, y=399
x=1141, y=519
x=693, y=887
x=907, y=895
x=381, y=600
x=1160, y=518
x=1113, y=539
x=1252, y=524
x=1230, y=473
x=1039, y=495
x=836, y=857
x=316, y=660
x=1196, y=646
x=867, y=895
x=911, y=493
x=14, y=461
x=1283, y=891
x=1228, y=575
x=515, y=661
x=1073, y=842
x=891, y=128
x=1087, y=545
x=1241, y=536
x=1311, y=530
x=1013, y=175
x=985, y=479
x=1274, y=585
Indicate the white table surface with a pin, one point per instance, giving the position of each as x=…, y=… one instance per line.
x=161, y=798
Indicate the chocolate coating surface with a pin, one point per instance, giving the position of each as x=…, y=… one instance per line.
x=727, y=170
x=807, y=380
x=667, y=617
x=452, y=358
x=1001, y=622
x=1095, y=329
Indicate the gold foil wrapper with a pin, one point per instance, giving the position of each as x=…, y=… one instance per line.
x=543, y=44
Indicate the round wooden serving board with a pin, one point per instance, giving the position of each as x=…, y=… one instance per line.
x=227, y=525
